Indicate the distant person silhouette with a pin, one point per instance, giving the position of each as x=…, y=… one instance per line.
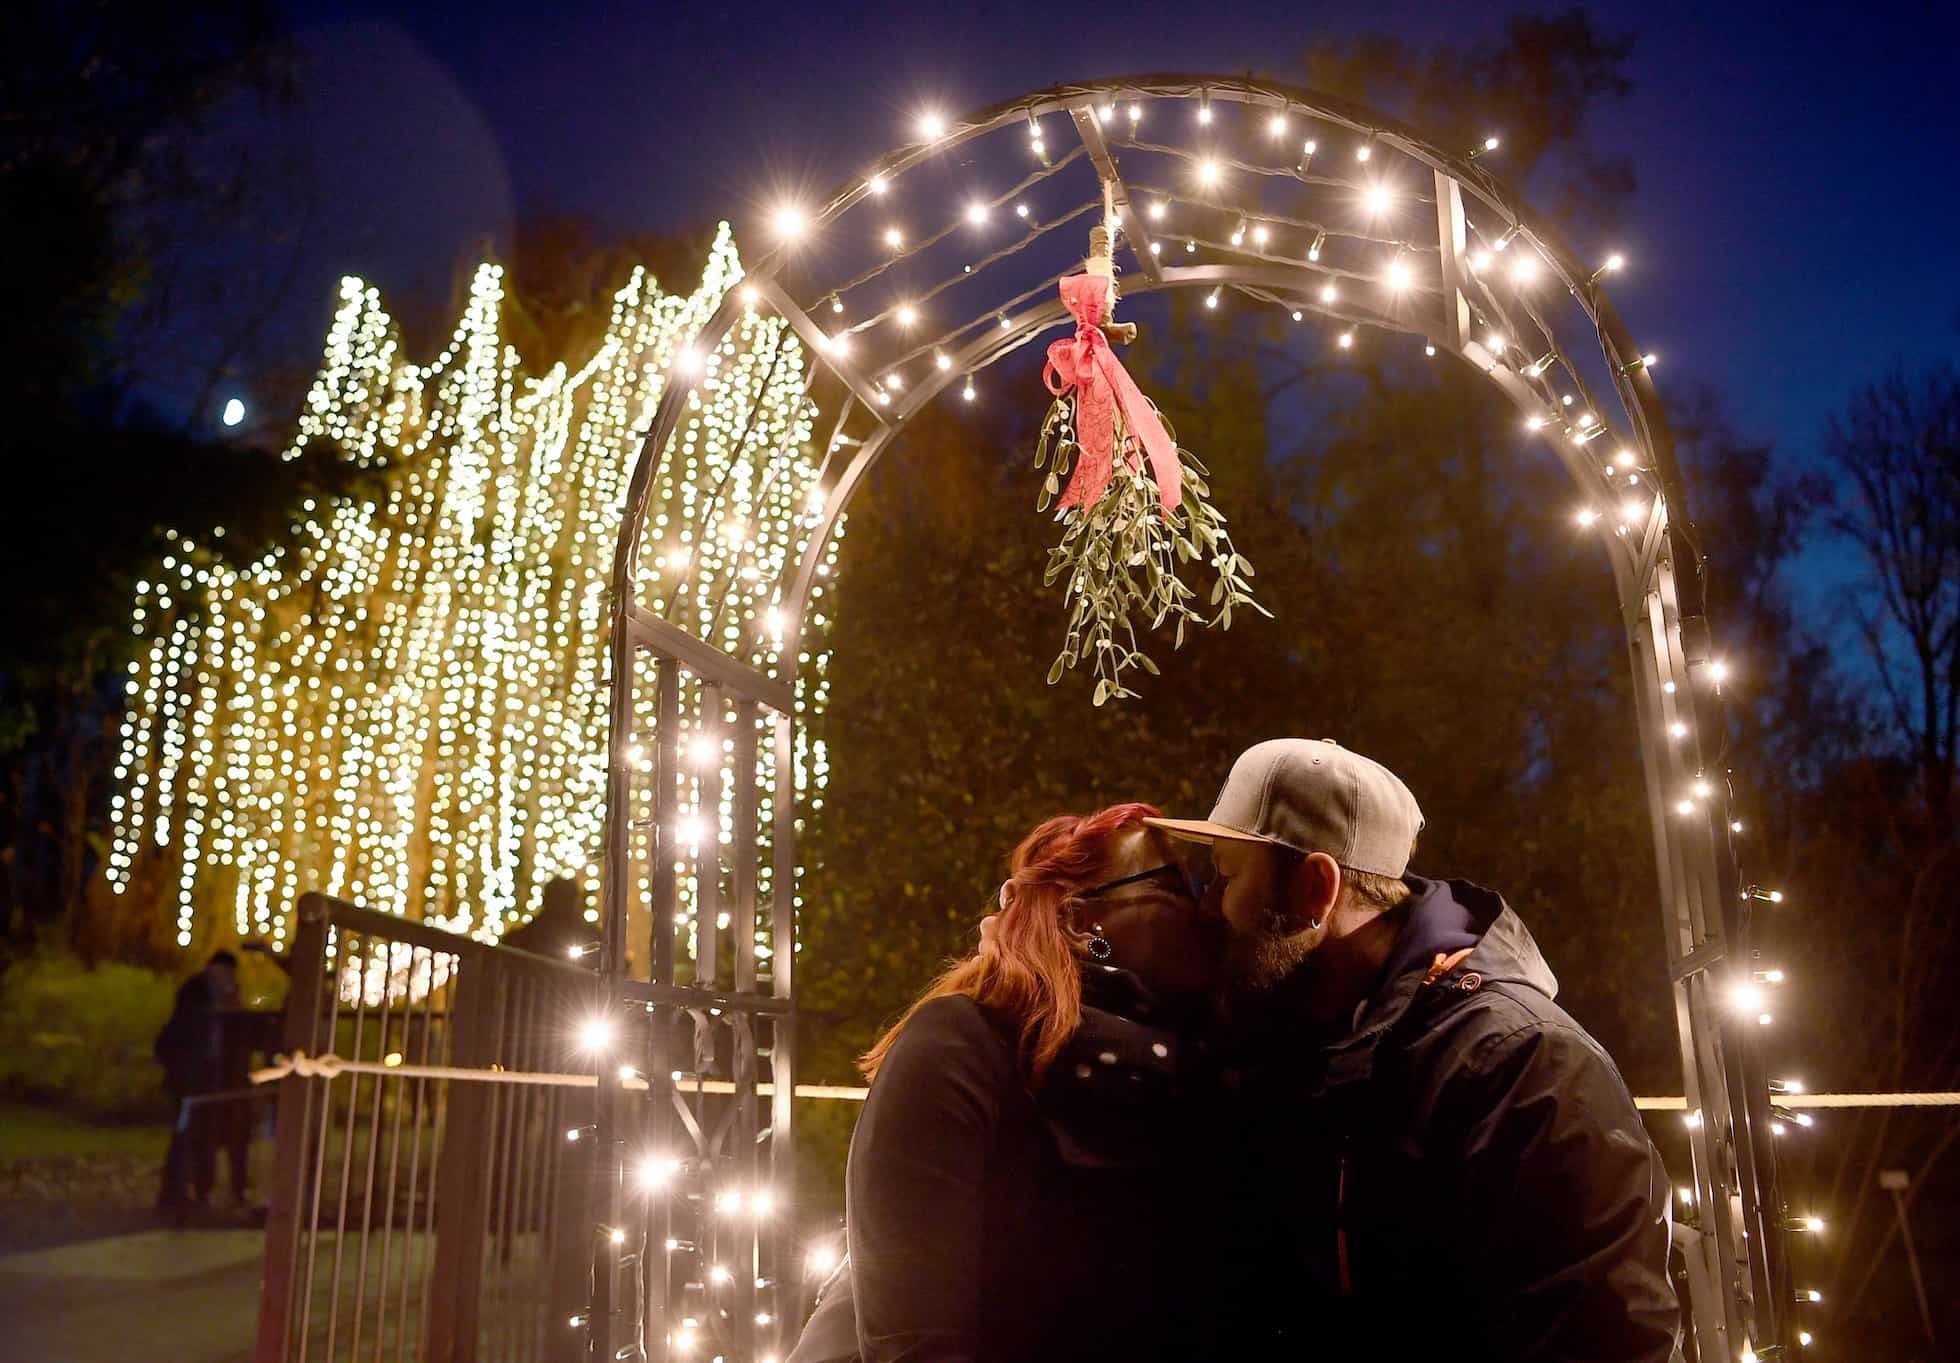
x=559, y=926
x=191, y=1049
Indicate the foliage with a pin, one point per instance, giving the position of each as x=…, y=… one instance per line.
x=107, y=170
x=80, y=1036
x=1896, y=453
x=1121, y=557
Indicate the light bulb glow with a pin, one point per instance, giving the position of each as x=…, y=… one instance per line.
x=790, y=221
x=656, y=1172
x=1208, y=172
x=932, y=126
x=234, y=412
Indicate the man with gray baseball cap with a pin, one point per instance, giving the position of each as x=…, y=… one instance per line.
x=1423, y=1128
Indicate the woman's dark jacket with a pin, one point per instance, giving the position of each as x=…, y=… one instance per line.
x=988, y=1224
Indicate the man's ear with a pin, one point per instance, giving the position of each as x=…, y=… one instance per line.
x=1313, y=891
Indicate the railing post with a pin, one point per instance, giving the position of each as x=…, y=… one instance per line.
x=463, y=1179
x=306, y=974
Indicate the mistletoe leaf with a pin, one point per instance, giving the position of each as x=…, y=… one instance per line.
x=1055, y=672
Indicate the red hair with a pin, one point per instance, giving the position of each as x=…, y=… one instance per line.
x=1031, y=974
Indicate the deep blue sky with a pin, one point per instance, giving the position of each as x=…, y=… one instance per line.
x=1797, y=226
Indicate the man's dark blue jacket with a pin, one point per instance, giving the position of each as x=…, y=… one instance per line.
x=1462, y=1172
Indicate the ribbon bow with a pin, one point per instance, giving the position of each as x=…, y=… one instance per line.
x=1102, y=388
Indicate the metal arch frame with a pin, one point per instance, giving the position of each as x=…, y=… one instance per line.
x=1734, y=1258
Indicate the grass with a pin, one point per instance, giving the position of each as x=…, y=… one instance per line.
x=28, y=1132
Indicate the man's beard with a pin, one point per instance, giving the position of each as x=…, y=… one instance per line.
x=1256, y=962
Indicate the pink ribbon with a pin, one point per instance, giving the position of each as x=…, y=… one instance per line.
x=1087, y=364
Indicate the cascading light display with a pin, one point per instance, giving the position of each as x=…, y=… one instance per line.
x=405, y=706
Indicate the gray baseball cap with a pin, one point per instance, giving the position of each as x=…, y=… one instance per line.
x=1313, y=795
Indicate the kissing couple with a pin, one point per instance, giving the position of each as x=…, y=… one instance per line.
x=1244, y=1087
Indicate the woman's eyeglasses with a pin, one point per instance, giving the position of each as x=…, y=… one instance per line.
x=1190, y=879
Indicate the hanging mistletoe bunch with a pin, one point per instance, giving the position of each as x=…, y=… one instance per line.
x=1128, y=531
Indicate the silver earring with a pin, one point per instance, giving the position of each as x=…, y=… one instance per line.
x=1098, y=944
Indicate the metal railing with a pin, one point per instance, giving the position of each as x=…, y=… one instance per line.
x=439, y=1217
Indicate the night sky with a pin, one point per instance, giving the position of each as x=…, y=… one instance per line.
x=1796, y=228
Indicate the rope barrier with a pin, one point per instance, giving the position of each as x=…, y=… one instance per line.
x=1795, y=1100
x=330, y=1066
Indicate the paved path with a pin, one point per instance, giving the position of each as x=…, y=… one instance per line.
x=171, y=1296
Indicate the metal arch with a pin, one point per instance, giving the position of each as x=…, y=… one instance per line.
x=1737, y=1296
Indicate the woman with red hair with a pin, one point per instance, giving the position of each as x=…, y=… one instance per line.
x=1023, y=1182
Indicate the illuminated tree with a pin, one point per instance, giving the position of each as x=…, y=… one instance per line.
x=406, y=706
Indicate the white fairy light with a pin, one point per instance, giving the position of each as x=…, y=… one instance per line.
x=976, y=212
x=789, y=221
x=1328, y=293
x=1208, y=172
x=876, y=184
x=894, y=238
x=1377, y=199
x=1276, y=125
x=907, y=314
x=234, y=412
x=656, y=1171
x=1158, y=209
x=1399, y=275
x=932, y=125
x=595, y=1034
x=1346, y=340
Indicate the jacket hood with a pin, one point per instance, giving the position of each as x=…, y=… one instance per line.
x=1442, y=918
x=1502, y=947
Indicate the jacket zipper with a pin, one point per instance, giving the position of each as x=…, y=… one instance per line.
x=1340, y=1227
